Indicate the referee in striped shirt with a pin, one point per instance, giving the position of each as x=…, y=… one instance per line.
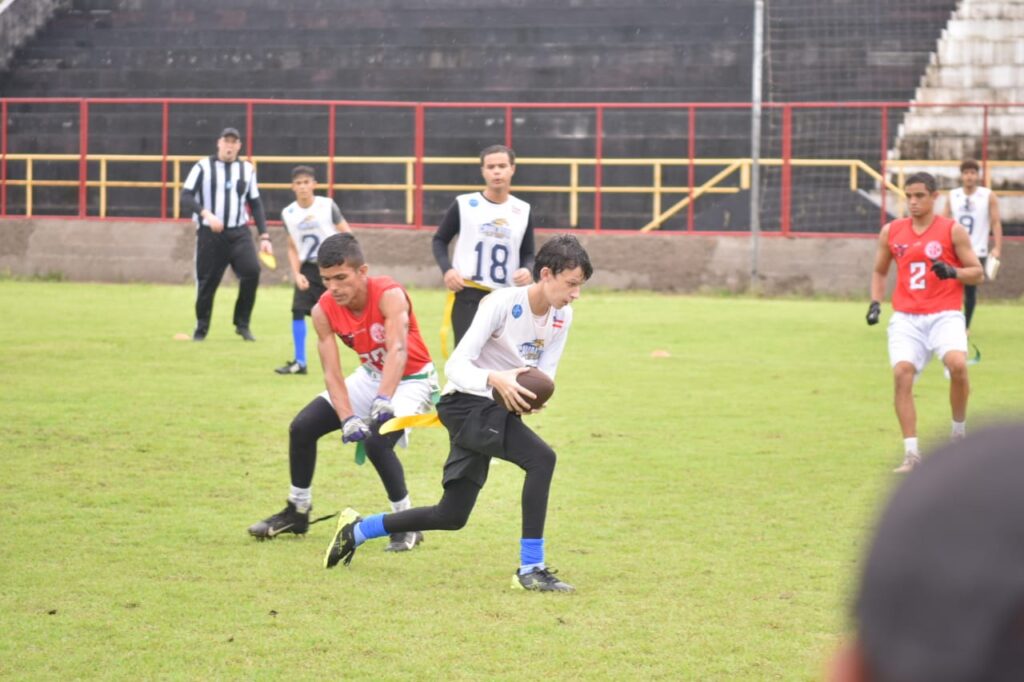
x=221, y=190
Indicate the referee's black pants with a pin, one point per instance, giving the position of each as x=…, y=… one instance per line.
x=214, y=253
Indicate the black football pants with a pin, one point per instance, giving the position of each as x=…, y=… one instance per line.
x=214, y=253
x=472, y=422
x=317, y=419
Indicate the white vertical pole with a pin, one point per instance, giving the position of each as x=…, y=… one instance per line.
x=755, y=140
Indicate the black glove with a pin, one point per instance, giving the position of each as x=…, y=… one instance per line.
x=874, y=311
x=943, y=270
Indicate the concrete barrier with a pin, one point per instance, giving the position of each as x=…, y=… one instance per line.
x=163, y=251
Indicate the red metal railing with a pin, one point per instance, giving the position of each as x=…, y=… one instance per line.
x=694, y=111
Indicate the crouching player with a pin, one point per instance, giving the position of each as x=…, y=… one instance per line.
x=373, y=316
x=513, y=329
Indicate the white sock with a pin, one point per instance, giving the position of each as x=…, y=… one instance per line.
x=402, y=504
x=302, y=498
x=959, y=429
x=910, y=445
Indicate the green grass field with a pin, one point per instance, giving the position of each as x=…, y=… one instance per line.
x=710, y=507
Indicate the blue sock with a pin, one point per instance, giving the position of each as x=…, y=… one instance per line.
x=531, y=554
x=299, y=337
x=369, y=528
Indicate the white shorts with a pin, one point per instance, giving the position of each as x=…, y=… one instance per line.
x=915, y=338
x=415, y=394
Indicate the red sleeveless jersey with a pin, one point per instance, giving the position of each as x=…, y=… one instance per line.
x=365, y=333
x=919, y=291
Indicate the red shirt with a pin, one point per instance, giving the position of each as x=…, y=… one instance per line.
x=365, y=333
x=919, y=291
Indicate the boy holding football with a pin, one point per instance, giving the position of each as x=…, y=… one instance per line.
x=514, y=329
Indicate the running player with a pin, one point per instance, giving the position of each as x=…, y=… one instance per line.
x=373, y=316
x=934, y=260
x=514, y=329
x=977, y=209
x=309, y=220
x=494, y=248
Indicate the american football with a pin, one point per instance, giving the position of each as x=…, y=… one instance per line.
x=535, y=381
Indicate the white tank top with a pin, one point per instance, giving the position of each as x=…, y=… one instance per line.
x=487, y=248
x=308, y=227
x=971, y=211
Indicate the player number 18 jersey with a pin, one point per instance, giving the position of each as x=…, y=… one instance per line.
x=490, y=235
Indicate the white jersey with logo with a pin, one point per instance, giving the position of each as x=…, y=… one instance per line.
x=971, y=211
x=309, y=227
x=505, y=334
x=487, y=249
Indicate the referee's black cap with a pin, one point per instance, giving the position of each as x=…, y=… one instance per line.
x=942, y=591
x=230, y=132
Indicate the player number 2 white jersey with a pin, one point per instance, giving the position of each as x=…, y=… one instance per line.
x=487, y=249
x=505, y=334
x=971, y=211
x=308, y=227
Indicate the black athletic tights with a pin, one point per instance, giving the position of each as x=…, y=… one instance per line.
x=523, y=448
x=317, y=419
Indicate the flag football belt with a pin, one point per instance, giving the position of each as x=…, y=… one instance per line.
x=408, y=377
x=446, y=318
x=409, y=421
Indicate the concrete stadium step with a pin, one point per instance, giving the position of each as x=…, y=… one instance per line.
x=992, y=9
x=1009, y=50
x=984, y=29
x=939, y=95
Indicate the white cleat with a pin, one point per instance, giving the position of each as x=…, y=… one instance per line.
x=910, y=461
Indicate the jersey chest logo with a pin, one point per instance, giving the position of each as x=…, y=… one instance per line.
x=933, y=249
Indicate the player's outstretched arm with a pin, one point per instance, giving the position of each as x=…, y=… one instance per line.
x=883, y=259
x=394, y=306
x=327, y=347
x=293, y=260
x=997, y=226
x=971, y=273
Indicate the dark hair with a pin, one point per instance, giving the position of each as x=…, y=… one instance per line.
x=969, y=164
x=498, y=149
x=303, y=170
x=926, y=179
x=340, y=249
x=562, y=252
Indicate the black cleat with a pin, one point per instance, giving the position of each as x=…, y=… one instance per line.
x=245, y=333
x=291, y=367
x=540, y=580
x=343, y=544
x=199, y=335
x=288, y=520
x=403, y=542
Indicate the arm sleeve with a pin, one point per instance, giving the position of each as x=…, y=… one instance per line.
x=336, y=216
x=190, y=201
x=526, y=248
x=446, y=231
x=553, y=353
x=190, y=190
x=460, y=369
x=258, y=214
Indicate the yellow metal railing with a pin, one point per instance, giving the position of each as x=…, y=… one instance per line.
x=733, y=177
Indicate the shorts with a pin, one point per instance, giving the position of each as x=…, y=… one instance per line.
x=303, y=301
x=915, y=338
x=415, y=394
